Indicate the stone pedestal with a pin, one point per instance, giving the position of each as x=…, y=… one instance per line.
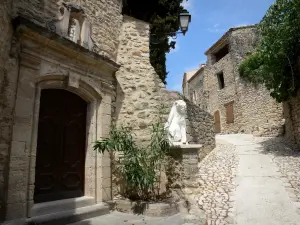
x=185, y=159
x=188, y=155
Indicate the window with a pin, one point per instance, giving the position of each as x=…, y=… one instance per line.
x=194, y=96
x=229, y=113
x=221, y=53
x=221, y=80
x=201, y=82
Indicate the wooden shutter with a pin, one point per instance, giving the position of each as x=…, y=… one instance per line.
x=229, y=113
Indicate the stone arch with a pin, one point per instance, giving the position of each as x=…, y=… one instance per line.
x=82, y=87
x=217, y=120
x=93, y=96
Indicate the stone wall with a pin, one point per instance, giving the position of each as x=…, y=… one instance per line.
x=292, y=120
x=185, y=82
x=260, y=115
x=200, y=128
x=18, y=90
x=104, y=16
x=219, y=97
x=194, y=86
x=141, y=93
x=8, y=81
x=253, y=108
x=258, y=112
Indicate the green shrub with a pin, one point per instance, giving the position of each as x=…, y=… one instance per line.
x=139, y=166
x=275, y=63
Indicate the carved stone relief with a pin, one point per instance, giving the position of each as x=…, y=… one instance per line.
x=73, y=24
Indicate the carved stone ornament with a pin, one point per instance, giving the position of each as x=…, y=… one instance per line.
x=72, y=23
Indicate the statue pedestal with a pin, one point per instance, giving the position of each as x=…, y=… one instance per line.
x=188, y=156
x=185, y=186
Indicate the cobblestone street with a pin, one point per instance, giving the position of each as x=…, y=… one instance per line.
x=217, y=172
x=288, y=162
x=289, y=166
x=247, y=181
x=243, y=181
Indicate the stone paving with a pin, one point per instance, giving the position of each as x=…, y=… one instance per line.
x=289, y=166
x=288, y=162
x=243, y=181
x=118, y=218
x=216, y=175
x=264, y=193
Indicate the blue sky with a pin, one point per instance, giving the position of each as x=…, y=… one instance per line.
x=210, y=20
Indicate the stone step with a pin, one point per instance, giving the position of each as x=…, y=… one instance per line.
x=70, y=216
x=45, y=208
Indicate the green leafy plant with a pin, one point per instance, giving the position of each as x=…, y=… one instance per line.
x=275, y=63
x=139, y=167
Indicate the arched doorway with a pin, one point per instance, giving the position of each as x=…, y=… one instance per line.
x=61, y=146
x=217, y=122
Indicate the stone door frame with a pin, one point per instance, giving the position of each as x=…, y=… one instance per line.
x=38, y=72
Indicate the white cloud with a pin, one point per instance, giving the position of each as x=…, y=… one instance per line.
x=188, y=4
x=216, y=29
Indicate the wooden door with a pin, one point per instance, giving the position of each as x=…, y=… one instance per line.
x=60, y=147
x=217, y=122
x=229, y=113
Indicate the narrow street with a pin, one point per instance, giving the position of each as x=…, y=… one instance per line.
x=261, y=187
x=243, y=181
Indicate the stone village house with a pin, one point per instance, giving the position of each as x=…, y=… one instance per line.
x=237, y=106
x=67, y=71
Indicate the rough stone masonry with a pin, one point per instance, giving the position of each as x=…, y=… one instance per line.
x=37, y=57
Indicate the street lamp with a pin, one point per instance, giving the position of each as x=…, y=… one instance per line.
x=184, y=18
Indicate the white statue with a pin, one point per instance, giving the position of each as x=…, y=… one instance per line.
x=176, y=124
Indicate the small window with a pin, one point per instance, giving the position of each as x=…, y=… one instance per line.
x=229, y=113
x=221, y=53
x=194, y=96
x=201, y=82
x=221, y=80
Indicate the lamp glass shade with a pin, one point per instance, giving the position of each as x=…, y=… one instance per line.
x=184, y=19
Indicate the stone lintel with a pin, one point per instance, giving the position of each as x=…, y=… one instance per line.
x=41, y=35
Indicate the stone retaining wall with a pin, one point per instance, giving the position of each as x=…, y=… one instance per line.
x=141, y=93
x=292, y=121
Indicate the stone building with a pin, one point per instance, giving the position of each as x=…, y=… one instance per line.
x=68, y=70
x=185, y=81
x=236, y=105
x=195, y=91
